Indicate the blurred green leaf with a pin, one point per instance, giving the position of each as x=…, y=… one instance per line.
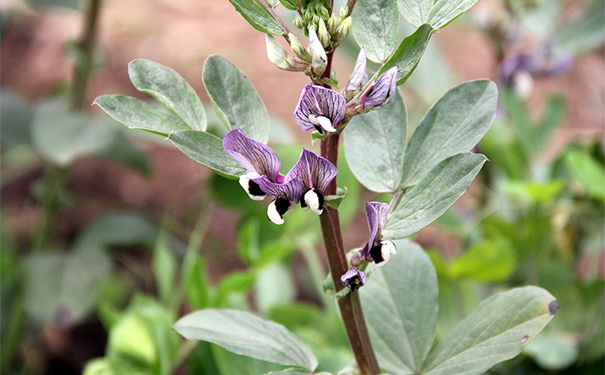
x=587, y=34
x=453, y=125
x=374, y=146
x=497, y=330
x=234, y=99
x=416, y=12
x=588, y=171
x=170, y=89
x=536, y=192
x=196, y=283
x=61, y=136
x=488, y=261
x=400, y=303
x=555, y=111
x=408, y=54
x=164, y=269
x=64, y=287
x=206, y=149
x=123, y=151
x=69, y=4
x=248, y=241
x=257, y=16
x=117, y=229
x=243, y=333
x=274, y=286
x=432, y=196
x=553, y=350
x=137, y=114
x=229, y=193
x=236, y=282
x=15, y=119
x=375, y=25
x=445, y=11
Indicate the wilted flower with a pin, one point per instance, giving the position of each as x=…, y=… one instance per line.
x=353, y=279
x=319, y=108
x=314, y=174
x=376, y=249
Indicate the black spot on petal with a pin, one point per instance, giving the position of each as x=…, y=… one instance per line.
x=254, y=189
x=553, y=307
x=282, y=205
x=376, y=253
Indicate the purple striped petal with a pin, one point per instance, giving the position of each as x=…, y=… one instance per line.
x=313, y=172
x=255, y=156
x=319, y=108
x=353, y=278
x=377, y=219
x=290, y=190
x=383, y=90
x=359, y=76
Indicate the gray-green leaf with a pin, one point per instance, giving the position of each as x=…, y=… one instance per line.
x=453, y=125
x=234, y=99
x=432, y=196
x=374, y=146
x=170, y=89
x=257, y=16
x=246, y=334
x=408, y=54
x=206, y=149
x=375, y=26
x=416, y=12
x=136, y=114
x=498, y=329
x=445, y=11
x=400, y=303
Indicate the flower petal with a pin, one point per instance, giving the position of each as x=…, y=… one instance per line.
x=383, y=89
x=359, y=76
x=255, y=156
x=312, y=171
x=377, y=219
x=317, y=103
x=353, y=278
x=289, y=190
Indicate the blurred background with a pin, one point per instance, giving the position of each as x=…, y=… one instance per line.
x=108, y=235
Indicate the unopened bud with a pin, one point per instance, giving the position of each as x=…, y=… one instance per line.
x=332, y=24
x=319, y=60
x=298, y=23
x=298, y=49
x=343, y=30
x=280, y=58
x=323, y=34
x=383, y=90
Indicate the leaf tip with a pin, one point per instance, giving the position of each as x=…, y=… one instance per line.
x=553, y=307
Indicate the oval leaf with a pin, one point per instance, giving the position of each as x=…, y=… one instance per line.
x=374, y=146
x=445, y=11
x=408, y=54
x=400, y=303
x=498, y=329
x=235, y=100
x=375, y=26
x=416, y=12
x=453, y=125
x=136, y=114
x=433, y=195
x=170, y=89
x=207, y=149
x=257, y=16
x=246, y=334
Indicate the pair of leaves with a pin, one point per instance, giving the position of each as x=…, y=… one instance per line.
x=436, y=166
x=181, y=116
x=400, y=304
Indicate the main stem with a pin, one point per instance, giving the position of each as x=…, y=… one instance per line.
x=350, y=306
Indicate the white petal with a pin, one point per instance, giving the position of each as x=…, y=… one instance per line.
x=312, y=201
x=244, y=181
x=274, y=215
x=386, y=249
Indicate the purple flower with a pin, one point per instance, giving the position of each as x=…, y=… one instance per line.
x=353, y=278
x=286, y=195
x=359, y=76
x=377, y=250
x=314, y=174
x=383, y=90
x=320, y=108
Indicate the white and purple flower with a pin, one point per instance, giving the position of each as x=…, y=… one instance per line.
x=319, y=108
x=306, y=182
x=376, y=249
x=353, y=278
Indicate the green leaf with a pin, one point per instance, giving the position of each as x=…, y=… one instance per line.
x=445, y=11
x=61, y=136
x=416, y=12
x=274, y=287
x=453, y=125
x=117, y=229
x=554, y=350
x=196, y=283
x=488, y=261
x=586, y=34
x=64, y=287
x=125, y=152
x=15, y=119
x=257, y=16
x=400, y=303
x=555, y=111
x=374, y=146
x=164, y=269
x=243, y=333
x=234, y=99
x=136, y=114
x=588, y=171
x=375, y=26
x=238, y=282
x=408, y=54
x=170, y=89
x=498, y=329
x=432, y=196
x=206, y=149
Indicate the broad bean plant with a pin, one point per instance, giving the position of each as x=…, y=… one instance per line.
x=386, y=291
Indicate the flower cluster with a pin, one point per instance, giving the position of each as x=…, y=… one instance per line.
x=306, y=182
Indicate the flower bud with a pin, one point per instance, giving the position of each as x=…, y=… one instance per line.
x=358, y=77
x=324, y=35
x=280, y=58
x=332, y=24
x=298, y=49
x=319, y=60
x=343, y=30
x=383, y=90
